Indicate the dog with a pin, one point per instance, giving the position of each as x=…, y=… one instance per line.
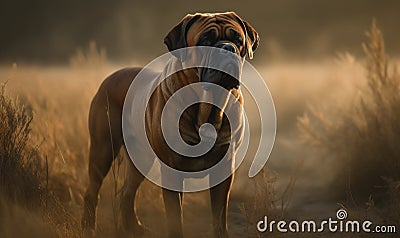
x=222, y=30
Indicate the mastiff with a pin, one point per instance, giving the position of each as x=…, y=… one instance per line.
x=226, y=31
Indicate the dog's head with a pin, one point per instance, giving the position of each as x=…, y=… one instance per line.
x=226, y=31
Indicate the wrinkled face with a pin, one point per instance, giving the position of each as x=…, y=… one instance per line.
x=224, y=32
x=214, y=30
x=227, y=31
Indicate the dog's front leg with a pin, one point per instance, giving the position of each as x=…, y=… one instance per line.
x=173, y=210
x=173, y=207
x=219, y=204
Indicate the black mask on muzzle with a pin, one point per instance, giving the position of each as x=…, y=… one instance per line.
x=224, y=67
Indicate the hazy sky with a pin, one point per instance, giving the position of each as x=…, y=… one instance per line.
x=45, y=31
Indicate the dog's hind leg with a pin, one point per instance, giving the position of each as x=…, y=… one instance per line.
x=129, y=219
x=100, y=160
x=105, y=143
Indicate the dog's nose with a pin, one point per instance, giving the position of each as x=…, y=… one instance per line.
x=229, y=47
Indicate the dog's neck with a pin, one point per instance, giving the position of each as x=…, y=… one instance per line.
x=200, y=113
x=176, y=77
x=178, y=80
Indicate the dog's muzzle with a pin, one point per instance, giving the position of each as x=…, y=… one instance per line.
x=228, y=61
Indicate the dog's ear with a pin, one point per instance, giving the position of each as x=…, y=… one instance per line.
x=252, y=37
x=176, y=38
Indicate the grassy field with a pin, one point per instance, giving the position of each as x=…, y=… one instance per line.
x=337, y=146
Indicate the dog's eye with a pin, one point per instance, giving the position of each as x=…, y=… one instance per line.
x=208, y=38
x=203, y=42
x=238, y=41
x=206, y=42
x=237, y=38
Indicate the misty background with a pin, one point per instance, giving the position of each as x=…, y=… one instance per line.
x=49, y=32
x=320, y=95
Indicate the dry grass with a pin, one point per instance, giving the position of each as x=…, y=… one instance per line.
x=262, y=202
x=21, y=168
x=355, y=126
x=44, y=144
x=91, y=57
x=362, y=135
x=24, y=180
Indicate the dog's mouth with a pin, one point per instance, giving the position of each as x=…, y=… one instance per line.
x=218, y=77
x=221, y=67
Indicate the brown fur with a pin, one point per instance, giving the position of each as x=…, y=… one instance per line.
x=106, y=135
